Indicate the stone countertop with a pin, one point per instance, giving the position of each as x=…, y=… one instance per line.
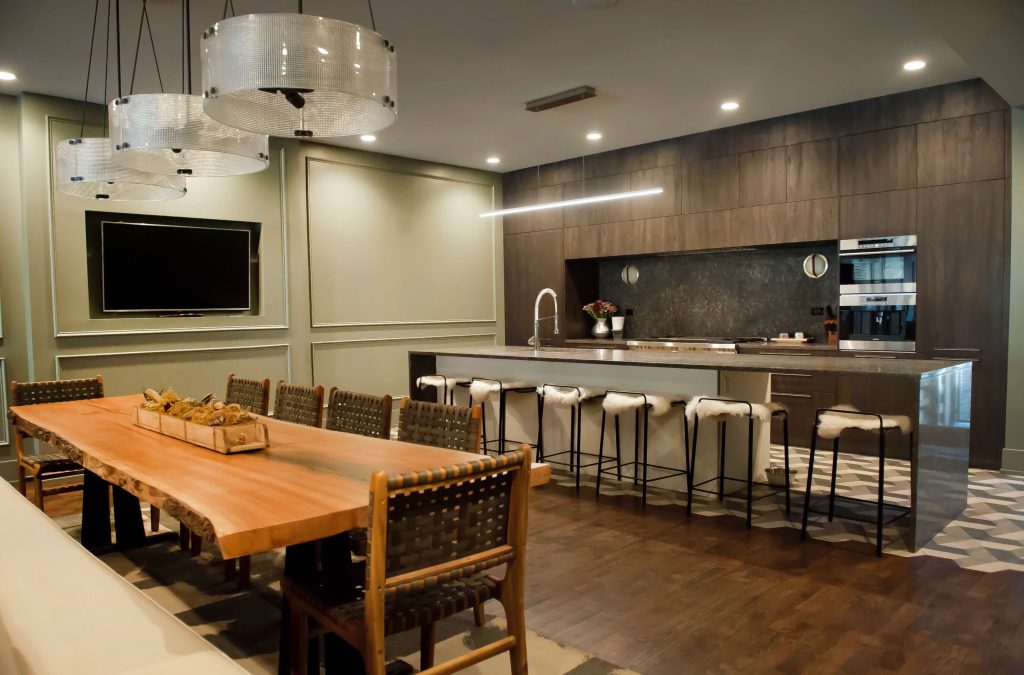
x=704, y=360
x=610, y=343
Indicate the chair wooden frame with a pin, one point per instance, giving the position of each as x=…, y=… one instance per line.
x=442, y=412
x=367, y=633
x=37, y=472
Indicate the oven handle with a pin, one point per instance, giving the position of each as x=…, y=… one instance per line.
x=877, y=251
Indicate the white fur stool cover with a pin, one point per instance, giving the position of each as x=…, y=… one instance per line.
x=706, y=406
x=616, y=403
x=480, y=390
x=448, y=381
x=831, y=424
x=566, y=396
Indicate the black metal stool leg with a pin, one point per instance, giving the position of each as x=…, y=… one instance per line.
x=501, y=421
x=785, y=446
x=618, y=451
x=750, y=470
x=575, y=413
x=721, y=461
x=636, y=445
x=832, y=492
x=686, y=446
x=540, y=428
x=483, y=423
x=691, y=463
x=810, y=478
x=579, y=437
x=881, y=490
x=572, y=440
x=600, y=454
x=647, y=420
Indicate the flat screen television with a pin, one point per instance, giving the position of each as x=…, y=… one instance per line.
x=174, y=268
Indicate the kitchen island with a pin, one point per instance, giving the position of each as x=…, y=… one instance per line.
x=939, y=450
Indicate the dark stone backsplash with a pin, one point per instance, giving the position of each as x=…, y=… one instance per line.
x=760, y=292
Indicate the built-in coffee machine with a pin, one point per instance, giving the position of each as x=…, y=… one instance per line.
x=878, y=293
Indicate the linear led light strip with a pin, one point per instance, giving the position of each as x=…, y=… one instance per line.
x=575, y=202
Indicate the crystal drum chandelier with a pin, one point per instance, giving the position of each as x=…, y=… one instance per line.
x=170, y=134
x=85, y=169
x=298, y=75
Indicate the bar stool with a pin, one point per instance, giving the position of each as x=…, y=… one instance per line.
x=446, y=383
x=707, y=407
x=481, y=389
x=830, y=423
x=618, y=402
x=573, y=398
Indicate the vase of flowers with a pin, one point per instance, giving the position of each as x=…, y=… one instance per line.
x=600, y=311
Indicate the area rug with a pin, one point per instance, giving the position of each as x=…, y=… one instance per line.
x=244, y=624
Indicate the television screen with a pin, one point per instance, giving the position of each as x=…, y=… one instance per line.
x=174, y=268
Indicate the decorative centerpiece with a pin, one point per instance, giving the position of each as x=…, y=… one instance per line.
x=208, y=422
x=599, y=311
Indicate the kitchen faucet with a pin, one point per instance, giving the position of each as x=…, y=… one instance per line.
x=535, y=340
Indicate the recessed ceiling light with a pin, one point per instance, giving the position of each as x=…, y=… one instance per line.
x=367, y=138
x=730, y=105
x=493, y=160
x=916, y=64
x=594, y=136
x=7, y=75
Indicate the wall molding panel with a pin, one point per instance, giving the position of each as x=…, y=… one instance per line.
x=433, y=241
x=196, y=383
x=372, y=364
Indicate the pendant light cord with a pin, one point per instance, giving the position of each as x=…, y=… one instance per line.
x=88, y=68
x=106, y=68
x=187, y=28
x=373, y=24
x=117, y=19
x=144, y=20
x=228, y=3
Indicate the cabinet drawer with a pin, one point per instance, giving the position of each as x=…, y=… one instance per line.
x=798, y=382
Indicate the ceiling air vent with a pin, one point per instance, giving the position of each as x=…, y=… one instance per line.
x=562, y=98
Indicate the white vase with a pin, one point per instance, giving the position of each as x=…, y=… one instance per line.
x=600, y=329
x=618, y=324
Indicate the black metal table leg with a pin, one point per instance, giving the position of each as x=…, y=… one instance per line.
x=339, y=656
x=95, y=512
x=128, y=528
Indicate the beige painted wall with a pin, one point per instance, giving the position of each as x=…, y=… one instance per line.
x=48, y=332
x=1013, y=456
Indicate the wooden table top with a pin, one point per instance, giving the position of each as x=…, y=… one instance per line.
x=310, y=484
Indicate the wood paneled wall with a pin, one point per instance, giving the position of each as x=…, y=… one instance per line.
x=932, y=161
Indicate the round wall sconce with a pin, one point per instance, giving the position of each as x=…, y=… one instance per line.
x=815, y=265
x=630, y=274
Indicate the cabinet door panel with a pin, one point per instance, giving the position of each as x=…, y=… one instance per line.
x=878, y=215
x=532, y=261
x=878, y=161
x=960, y=265
x=960, y=150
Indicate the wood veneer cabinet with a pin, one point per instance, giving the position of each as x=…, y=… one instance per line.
x=932, y=162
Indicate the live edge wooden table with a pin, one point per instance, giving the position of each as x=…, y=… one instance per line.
x=310, y=485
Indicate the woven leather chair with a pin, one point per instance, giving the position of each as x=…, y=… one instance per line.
x=251, y=394
x=361, y=414
x=49, y=465
x=425, y=565
x=442, y=426
x=299, y=405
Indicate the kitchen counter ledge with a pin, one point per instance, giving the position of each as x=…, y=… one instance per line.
x=705, y=360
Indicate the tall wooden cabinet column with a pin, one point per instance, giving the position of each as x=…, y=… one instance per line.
x=533, y=260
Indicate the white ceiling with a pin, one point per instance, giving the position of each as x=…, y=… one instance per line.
x=466, y=67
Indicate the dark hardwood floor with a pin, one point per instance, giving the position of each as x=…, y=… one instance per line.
x=662, y=594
